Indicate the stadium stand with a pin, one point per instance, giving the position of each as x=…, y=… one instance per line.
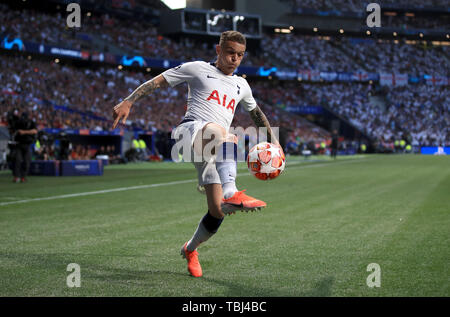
x=397, y=56
x=415, y=22
x=308, y=52
x=89, y=110
x=114, y=35
x=65, y=95
x=358, y=5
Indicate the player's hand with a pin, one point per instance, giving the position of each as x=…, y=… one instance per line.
x=121, y=111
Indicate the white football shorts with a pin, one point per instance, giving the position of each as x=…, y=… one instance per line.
x=206, y=170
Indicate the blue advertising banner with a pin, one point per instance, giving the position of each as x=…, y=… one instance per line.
x=350, y=77
x=82, y=168
x=305, y=109
x=435, y=150
x=287, y=74
x=329, y=76
x=247, y=70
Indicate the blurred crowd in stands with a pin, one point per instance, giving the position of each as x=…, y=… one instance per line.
x=415, y=22
x=419, y=113
x=308, y=52
x=90, y=91
x=84, y=98
x=360, y=5
x=106, y=33
x=62, y=96
x=397, y=57
x=403, y=20
x=325, y=5
x=344, y=55
x=301, y=52
x=59, y=147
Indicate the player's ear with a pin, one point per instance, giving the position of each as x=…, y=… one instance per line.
x=218, y=48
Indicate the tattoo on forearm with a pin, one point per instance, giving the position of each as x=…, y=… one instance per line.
x=260, y=120
x=143, y=90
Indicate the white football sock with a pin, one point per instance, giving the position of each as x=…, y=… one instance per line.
x=226, y=166
x=201, y=235
x=229, y=189
x=207, y=227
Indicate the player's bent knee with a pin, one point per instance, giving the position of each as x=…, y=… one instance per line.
x=212, y=136
x=214, y=132
x=231, y=138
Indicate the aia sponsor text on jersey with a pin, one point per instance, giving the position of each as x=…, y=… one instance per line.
x=215, y=96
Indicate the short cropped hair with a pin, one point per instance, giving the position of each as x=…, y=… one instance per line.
x=233, y=36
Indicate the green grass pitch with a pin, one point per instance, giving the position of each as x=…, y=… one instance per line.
x=326, y=221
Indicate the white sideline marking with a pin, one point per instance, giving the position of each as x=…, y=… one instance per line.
x=97, y=192
x=105, y=191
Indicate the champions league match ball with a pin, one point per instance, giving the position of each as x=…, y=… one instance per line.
x=266, y=161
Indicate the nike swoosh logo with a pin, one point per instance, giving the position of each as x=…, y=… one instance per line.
x=211, y=77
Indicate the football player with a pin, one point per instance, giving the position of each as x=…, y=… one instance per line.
x=213, y=95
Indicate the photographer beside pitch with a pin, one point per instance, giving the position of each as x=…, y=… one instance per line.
x=24, y=132
x=213, y=95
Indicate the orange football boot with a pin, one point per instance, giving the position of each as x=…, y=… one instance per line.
x=241, y=201
x=194, y=267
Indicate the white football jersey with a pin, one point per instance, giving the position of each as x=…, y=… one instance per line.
x=212, y=95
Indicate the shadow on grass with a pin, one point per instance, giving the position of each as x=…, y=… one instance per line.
x=151, y=281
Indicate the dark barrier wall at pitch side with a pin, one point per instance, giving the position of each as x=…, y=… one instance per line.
x=45, y=168
x=80, y=168
x=67, y=168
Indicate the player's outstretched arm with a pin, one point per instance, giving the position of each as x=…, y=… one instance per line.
x=260, y=120
x=122, y=110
